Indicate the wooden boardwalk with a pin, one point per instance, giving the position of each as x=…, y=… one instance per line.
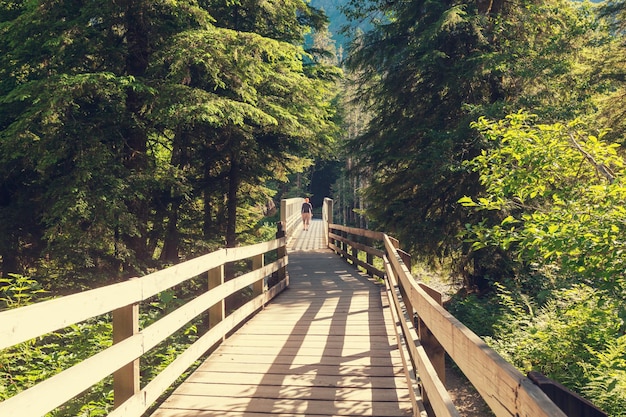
x=309, y=240
x=324, y=347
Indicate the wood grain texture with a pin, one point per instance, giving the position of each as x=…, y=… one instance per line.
x=322, y=348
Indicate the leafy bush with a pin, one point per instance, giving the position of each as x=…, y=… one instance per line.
x=29, y=363
x=571, y=339
x=560, y=193
x=480, y=314
x=18, y=291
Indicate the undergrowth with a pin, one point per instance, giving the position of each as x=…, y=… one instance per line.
x=575, y=338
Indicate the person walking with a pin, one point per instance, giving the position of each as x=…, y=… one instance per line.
x=307, y=213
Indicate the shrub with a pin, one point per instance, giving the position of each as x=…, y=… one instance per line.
x=571, y=339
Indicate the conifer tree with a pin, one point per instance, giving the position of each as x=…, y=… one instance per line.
x=124, y=124
x=430, y=68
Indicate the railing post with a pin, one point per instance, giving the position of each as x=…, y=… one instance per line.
x=284, y=216
x=258, y=287
x=355, y=253
x=432, y=347
x=218, y=311
x=282, y=251
x=327, y=216
x=125, y=379
x=369, y=258
x=406, y=259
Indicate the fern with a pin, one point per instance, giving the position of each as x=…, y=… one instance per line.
x=607, y=378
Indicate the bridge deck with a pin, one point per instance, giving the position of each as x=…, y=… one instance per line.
x=324, y=347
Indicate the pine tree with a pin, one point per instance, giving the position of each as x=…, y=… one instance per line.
x=123, y=125
x=430, y=68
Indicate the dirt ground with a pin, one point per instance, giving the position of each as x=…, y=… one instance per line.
x=467, y=401
x=464, y=396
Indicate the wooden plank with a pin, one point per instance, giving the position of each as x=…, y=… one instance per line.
x=358, y=232
x=321, y=330
x=305, y=359
x=25, y=323
x=125, y=379
x=315, y=341
x=359, y=246
x=436, y=394
x=301, y=369
x=330, y=392
x=292, y=405
x=321, y=348
x=304, y=380
x=218, y=311
x=396, y=317
x=162, y=412
x=272, y=350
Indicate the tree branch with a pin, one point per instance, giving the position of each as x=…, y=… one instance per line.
x=601, y=168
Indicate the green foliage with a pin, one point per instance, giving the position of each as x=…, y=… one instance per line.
x=135, y=135
x=560, y=193
x=610, y=69
x=18, y=291
x=576, y=339
x=426, y=70
x=607, y=379
x=478, y=313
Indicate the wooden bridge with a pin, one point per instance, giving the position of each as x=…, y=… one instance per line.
x=316, y=338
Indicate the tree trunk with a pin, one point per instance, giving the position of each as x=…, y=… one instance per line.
x=135, y=158
x=231, y=204
x=171, y=242
x=211, y=219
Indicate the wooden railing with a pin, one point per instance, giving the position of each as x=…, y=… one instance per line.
x=426, y=332
x=130, y=342
x=290, y=215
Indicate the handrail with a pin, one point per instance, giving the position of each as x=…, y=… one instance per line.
x=122, y=300
x=505, y=390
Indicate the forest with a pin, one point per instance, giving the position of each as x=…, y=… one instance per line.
x=487, y=136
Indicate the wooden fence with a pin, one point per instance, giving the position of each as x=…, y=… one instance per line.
x=130, y=343
x=290, y=215
x=427, y=332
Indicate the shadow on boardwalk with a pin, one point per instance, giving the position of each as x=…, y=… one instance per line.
x=324, y=347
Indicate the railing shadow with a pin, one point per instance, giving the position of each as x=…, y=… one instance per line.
x=427, y=332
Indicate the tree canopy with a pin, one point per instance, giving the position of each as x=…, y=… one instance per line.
x=528, y=210
x=131, y=132
x=427, y=70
